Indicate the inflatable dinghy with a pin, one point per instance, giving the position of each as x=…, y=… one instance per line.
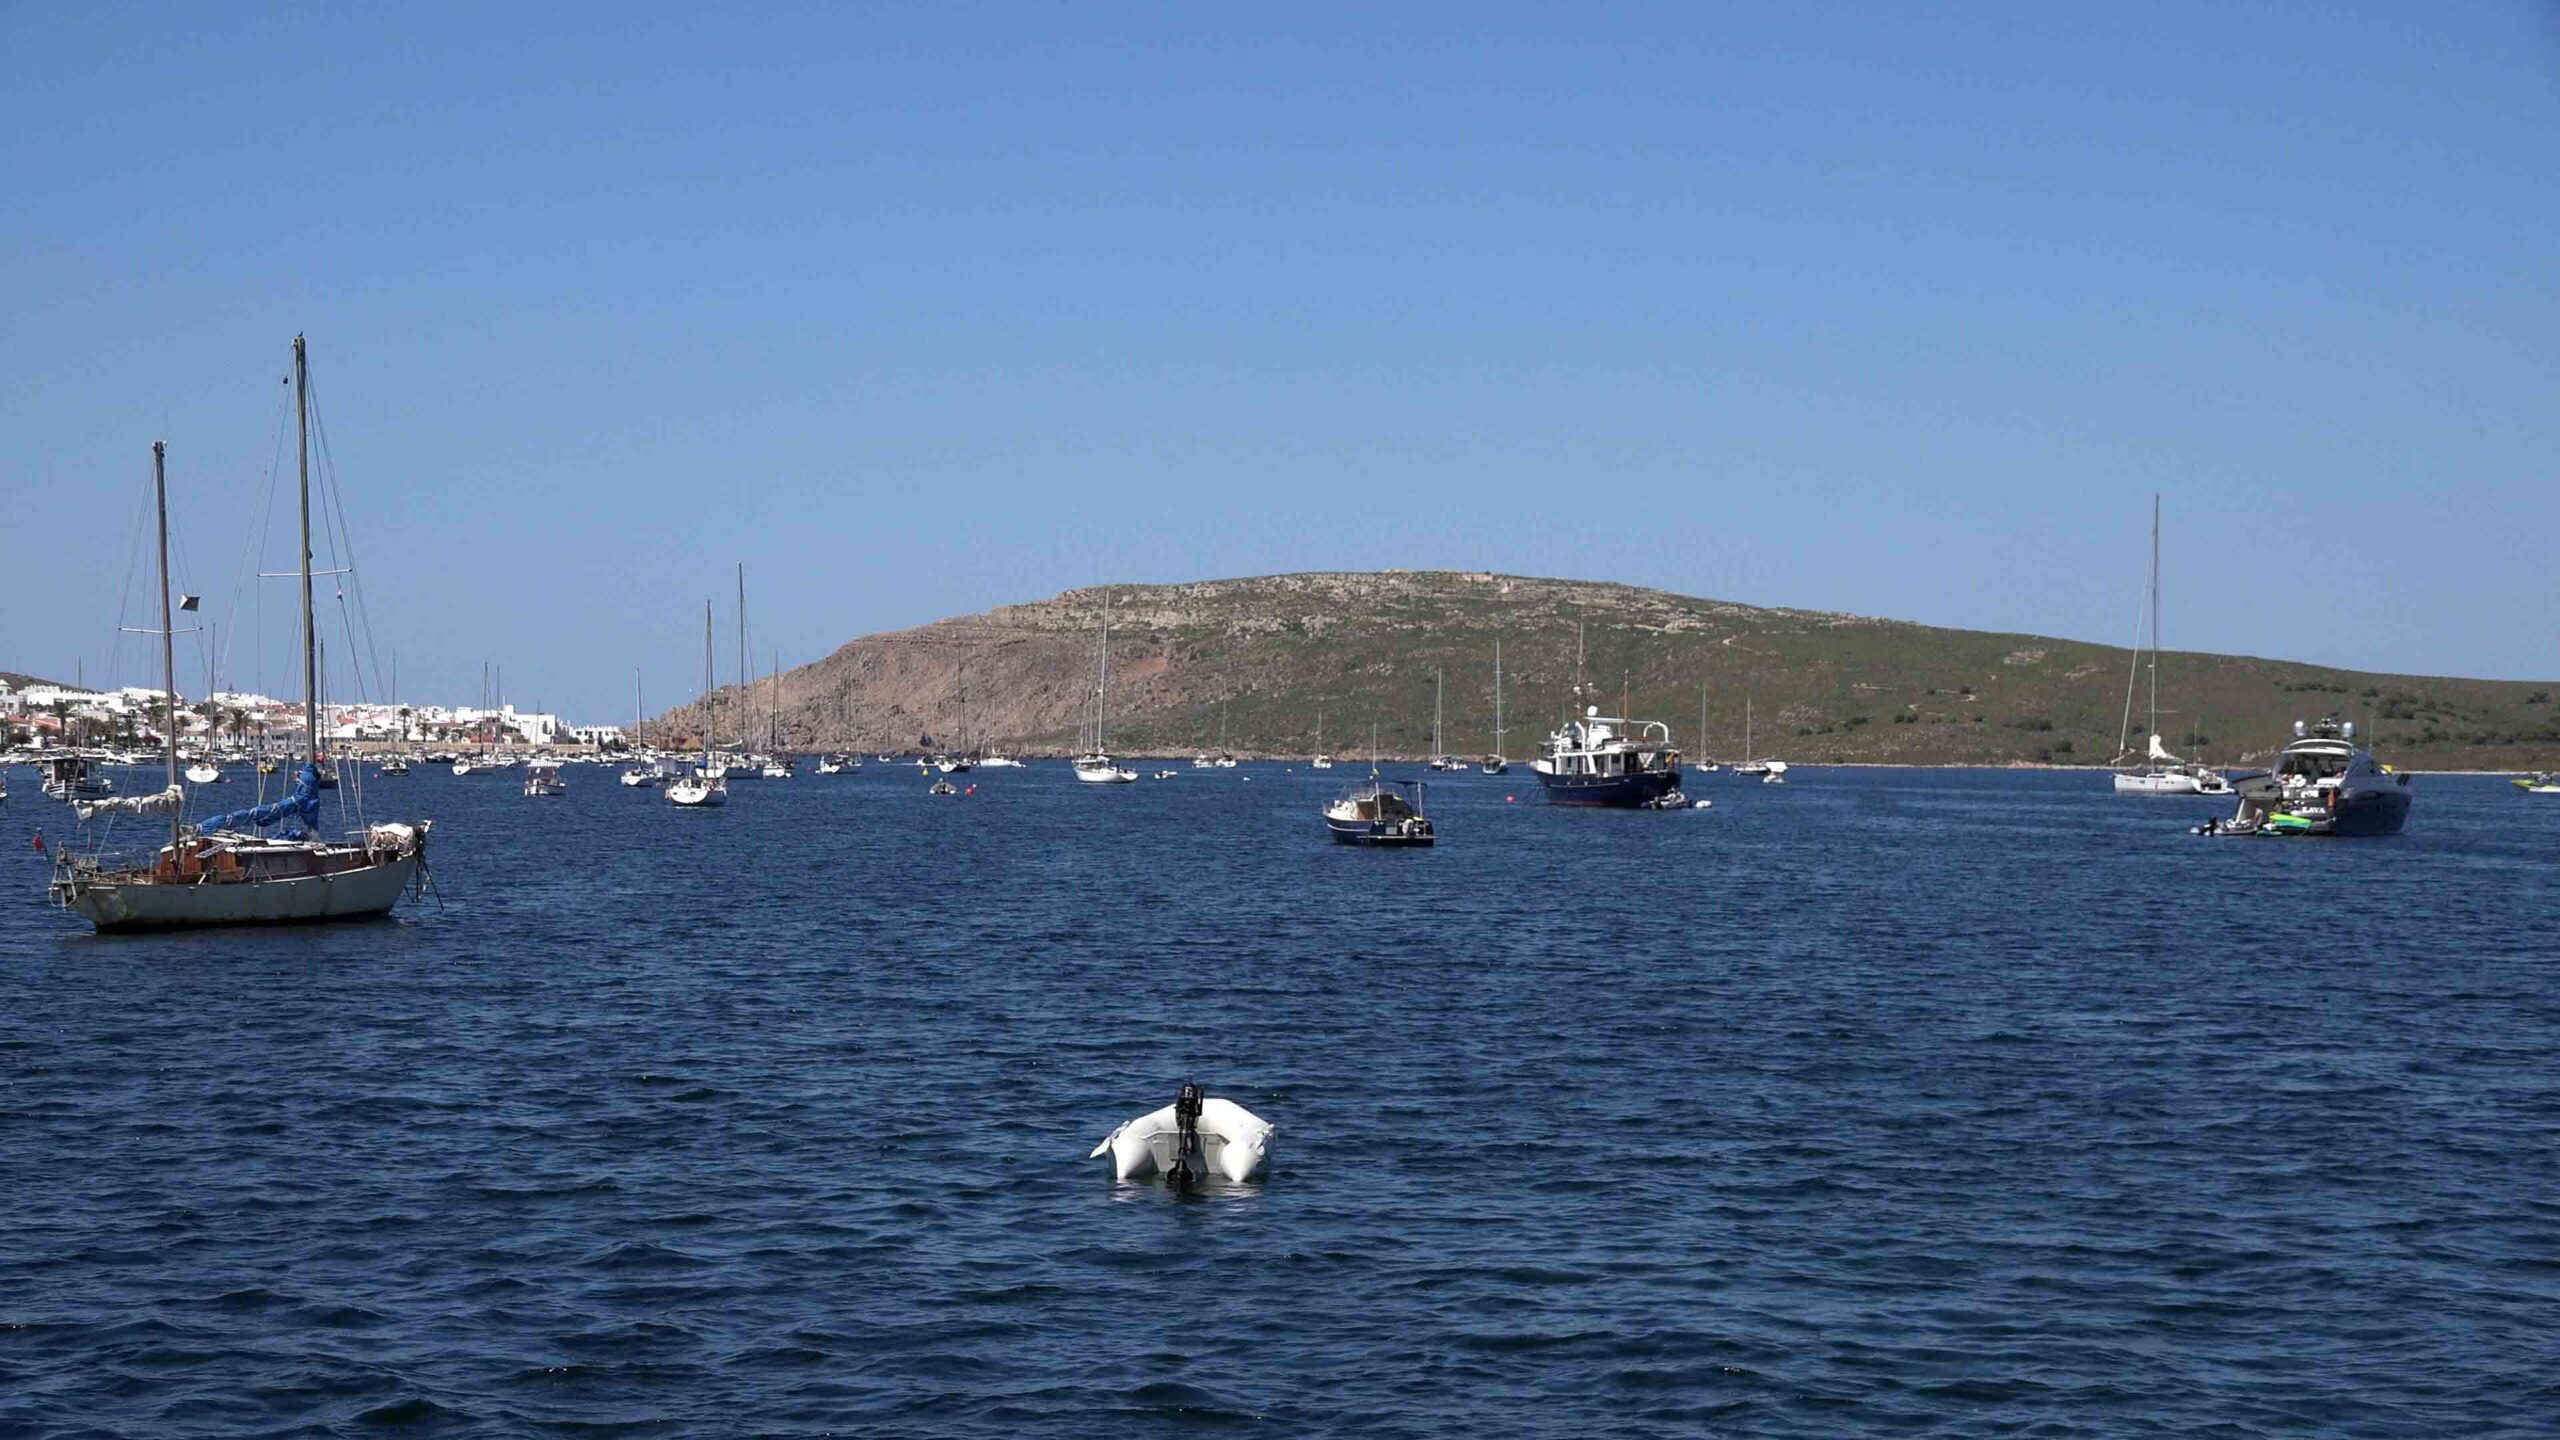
x=1194, y=1136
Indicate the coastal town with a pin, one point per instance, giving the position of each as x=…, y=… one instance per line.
x=42, y=716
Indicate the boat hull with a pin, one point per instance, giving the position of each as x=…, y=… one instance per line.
x=1619, y=792
x=1371, y=833
x=363, y=893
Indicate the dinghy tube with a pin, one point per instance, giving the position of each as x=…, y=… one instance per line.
x=1195, y=1135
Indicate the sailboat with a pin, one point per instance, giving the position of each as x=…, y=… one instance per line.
x=204, y=771
x=1440, y=759
x=708, y=785
x=956, y=761
x=1322, y=761
x=1495, y=764
x=1095, y=766
x=398, y=764
x=777, y=766
x=1767, y=772
x=2157, y=772
x=225, y=870
x=638, y=774
x=1703, y=765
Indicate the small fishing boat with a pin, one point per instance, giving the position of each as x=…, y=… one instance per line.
x=542, y=779
x=396, y=765
x=2323, y=784
x=1194, y=1136
x=1378, y=811
x=68, y=777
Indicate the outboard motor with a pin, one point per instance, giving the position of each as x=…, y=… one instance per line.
x=1186, y=1133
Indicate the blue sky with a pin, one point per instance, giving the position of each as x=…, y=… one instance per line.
x=919, y=310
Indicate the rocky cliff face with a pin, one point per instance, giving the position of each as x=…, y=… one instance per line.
x=1266, y=658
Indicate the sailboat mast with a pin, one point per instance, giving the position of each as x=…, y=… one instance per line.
x=1437, y=750
x=706, y=685
x=168, y=644
x=1497, y=697
x=1102, y=674
x=310, y=633
x=2155, y=613
x=773, y=707
x=746, y=741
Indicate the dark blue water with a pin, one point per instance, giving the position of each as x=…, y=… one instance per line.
x=1883, y=1103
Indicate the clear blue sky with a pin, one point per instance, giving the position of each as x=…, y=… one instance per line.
x=917, y=310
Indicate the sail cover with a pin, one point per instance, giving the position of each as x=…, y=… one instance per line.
x=2160, y=751
x=302, y=802
x=167, y=802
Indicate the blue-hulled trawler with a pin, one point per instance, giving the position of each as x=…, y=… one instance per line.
x=1608, y=760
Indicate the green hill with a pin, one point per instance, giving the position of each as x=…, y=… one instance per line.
x=1265, y=655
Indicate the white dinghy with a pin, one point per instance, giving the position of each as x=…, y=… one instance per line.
x=1195, y=1135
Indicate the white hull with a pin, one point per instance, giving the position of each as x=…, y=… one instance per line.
x=1104, y=774
x=203, y=775
x=2158, y=782
x=695, y=795
x=1234, y=1142
x=638, y=777
x=348, y=895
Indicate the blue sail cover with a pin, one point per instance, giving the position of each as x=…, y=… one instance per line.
x=302, y=801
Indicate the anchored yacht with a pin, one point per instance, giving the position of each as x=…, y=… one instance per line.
x=2323, y=784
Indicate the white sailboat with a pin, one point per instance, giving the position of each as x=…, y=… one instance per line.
x=1322, y=761
x=1767, y=772
x=638, y=774
x=2158, y=771
x=226, y=870
x=707, y=787
x=1095, y=766
x=1495, y=763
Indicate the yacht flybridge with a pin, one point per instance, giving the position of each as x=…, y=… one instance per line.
x=2323, y=784
x=226, y=870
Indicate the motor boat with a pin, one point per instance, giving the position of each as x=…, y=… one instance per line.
x=1377, y=811
x=998, y=761
x=1167, y=774
x=1608, y=760
x=2543, y=784
x=542, y=779
x=2323, y=784
x=68, y=777
x=942, y=787
x=396, y=765
x=1494, y=765
x=1194, y=1137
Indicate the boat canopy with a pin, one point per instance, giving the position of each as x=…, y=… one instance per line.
x=302, y=802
